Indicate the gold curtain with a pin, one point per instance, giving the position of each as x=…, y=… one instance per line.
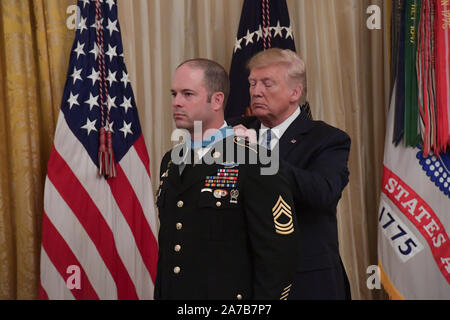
x=347, y=87
x=34, y=49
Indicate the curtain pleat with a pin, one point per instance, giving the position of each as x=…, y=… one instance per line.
x=35, y=43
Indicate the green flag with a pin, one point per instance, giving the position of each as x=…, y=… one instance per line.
x=412, y=135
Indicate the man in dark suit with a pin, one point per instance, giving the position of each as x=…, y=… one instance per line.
x=315, y=155
x=226, y=230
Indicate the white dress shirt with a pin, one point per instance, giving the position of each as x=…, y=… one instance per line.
x=278, y=131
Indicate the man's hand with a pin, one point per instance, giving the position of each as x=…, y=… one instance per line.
x=248, y=134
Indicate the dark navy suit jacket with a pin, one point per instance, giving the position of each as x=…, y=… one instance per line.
x=315, y=155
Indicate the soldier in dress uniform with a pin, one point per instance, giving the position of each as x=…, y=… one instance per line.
x=227, y=231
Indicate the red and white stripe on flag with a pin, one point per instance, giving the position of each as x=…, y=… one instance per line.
x=98, y=239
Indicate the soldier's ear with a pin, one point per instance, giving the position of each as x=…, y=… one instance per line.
x=217, y=100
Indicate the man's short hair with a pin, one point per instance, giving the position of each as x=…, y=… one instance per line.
x=214, y=76
x=295, y=66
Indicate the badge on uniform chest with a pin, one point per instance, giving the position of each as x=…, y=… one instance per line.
x=224, y=178
x=234, y=194
x=220, y=193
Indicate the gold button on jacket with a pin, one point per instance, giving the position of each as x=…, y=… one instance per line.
x=231, y=230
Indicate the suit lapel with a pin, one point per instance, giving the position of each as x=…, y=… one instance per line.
x=301, y=125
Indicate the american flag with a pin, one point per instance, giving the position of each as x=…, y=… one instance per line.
x=98, y=234
x=264, y=24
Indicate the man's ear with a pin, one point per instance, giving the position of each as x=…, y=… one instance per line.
x=217, y=100
x=296, y=93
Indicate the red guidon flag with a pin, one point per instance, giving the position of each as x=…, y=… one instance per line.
x=442, y=21
x=99, y=223
x=414, y=222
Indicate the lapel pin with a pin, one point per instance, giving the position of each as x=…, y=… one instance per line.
x=293, y=141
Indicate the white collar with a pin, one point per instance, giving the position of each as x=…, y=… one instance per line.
x=280, y=129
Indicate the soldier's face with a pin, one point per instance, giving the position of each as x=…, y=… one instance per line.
x=189, y=98
x=272, y=96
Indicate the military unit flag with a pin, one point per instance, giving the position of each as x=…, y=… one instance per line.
x=413, y=216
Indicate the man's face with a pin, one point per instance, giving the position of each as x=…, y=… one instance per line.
x=272, y=97
x=189, y=98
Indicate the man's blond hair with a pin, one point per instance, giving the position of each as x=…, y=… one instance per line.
x=295, y=66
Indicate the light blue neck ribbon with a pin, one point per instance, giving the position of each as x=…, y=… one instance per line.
x=217, y=136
